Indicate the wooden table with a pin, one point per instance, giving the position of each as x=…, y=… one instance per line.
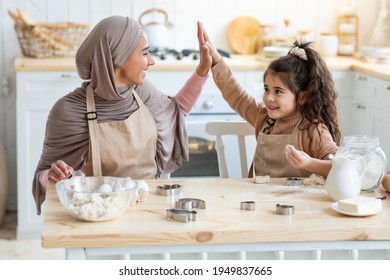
x=222, y=230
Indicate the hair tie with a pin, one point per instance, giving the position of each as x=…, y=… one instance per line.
x=299, y=52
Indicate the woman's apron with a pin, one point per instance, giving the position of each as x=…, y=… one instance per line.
x=270, y=157
x=121, y=148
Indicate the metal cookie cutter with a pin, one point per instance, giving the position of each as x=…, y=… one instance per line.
x=181, y=215
x=169, y=190
x=189, y=203
x=284, y=209
x=293, y=181
x=248, y=205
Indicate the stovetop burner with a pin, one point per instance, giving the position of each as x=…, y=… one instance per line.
x=189, y=53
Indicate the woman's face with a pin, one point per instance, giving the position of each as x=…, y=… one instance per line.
x=133, y=72
x=278, y=99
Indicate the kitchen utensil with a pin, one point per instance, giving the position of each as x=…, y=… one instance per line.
x=181, y=215
x=372, y=51
x=169, y=190
x=244, y=35
x=282, y=209
x=248, y=205
x=293, y=181
x=368, y=148
x=344, y=179
x=189, y=203
x=81, y=197
x=275, y=51
x=158, y=34
x=328, y=44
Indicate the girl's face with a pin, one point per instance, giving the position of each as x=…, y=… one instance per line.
x=278, y=99
x=133, y=72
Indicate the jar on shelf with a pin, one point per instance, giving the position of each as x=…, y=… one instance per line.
x=369, y=149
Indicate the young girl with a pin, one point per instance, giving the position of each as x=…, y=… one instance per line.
x=298, y=110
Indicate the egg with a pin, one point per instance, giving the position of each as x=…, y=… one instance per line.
x=142, y=185
x=129, y=184
x=386, y=182
x=105, y=188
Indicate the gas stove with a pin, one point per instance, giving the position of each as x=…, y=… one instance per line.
x=185, y=54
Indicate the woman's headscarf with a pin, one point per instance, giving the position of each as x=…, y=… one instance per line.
x=108, y=46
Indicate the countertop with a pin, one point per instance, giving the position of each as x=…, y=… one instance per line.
x=236, y=62
x=222, y=222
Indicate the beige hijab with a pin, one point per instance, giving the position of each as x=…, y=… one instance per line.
x=109, y=45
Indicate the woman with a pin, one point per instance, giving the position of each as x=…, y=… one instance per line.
x=117, y=123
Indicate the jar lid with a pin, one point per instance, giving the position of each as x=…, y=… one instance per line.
x=360, y=140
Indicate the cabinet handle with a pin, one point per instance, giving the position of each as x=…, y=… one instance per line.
x=359, y=106
x=361, y=78
x=68, y=76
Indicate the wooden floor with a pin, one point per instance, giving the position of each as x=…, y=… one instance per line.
x=25, y=249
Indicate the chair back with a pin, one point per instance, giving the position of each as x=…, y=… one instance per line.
x=240, y=129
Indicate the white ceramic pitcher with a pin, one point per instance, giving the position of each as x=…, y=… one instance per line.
x=344, y=179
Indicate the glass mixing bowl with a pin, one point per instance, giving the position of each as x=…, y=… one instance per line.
x=98, y=198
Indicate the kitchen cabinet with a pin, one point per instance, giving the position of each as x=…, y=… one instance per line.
x=361, y=115
x=381, y=116
x=36, y=94
x=370, y=111
x=343, y=83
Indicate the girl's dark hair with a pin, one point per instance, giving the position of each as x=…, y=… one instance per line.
x=313, y=77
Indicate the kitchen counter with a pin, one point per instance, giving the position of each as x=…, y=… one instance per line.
x=236, y=62
x=222, y=226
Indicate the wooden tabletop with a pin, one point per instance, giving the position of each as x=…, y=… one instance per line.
x=222, y=222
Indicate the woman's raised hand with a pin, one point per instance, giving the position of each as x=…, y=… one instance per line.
x=206, y=43
x=205, y=58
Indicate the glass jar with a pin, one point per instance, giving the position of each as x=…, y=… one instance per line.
x=366, y=146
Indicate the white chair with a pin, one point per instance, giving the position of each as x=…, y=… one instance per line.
x=241, y=129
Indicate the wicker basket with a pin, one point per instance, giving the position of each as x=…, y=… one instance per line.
x=51, y=39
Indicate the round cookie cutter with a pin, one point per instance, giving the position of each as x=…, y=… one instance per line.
x=248, y=205
x=284, y=209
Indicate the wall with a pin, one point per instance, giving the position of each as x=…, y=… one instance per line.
x=318, y=15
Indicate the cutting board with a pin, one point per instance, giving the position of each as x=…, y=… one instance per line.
x=244, y=35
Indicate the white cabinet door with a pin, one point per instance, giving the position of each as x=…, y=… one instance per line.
x=370, y=111
x=381, y=116
x=343, y=81
x=36, y=94
x=363, y=94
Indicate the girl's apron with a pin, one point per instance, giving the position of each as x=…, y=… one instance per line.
x=270, y=157
x=121, y=148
